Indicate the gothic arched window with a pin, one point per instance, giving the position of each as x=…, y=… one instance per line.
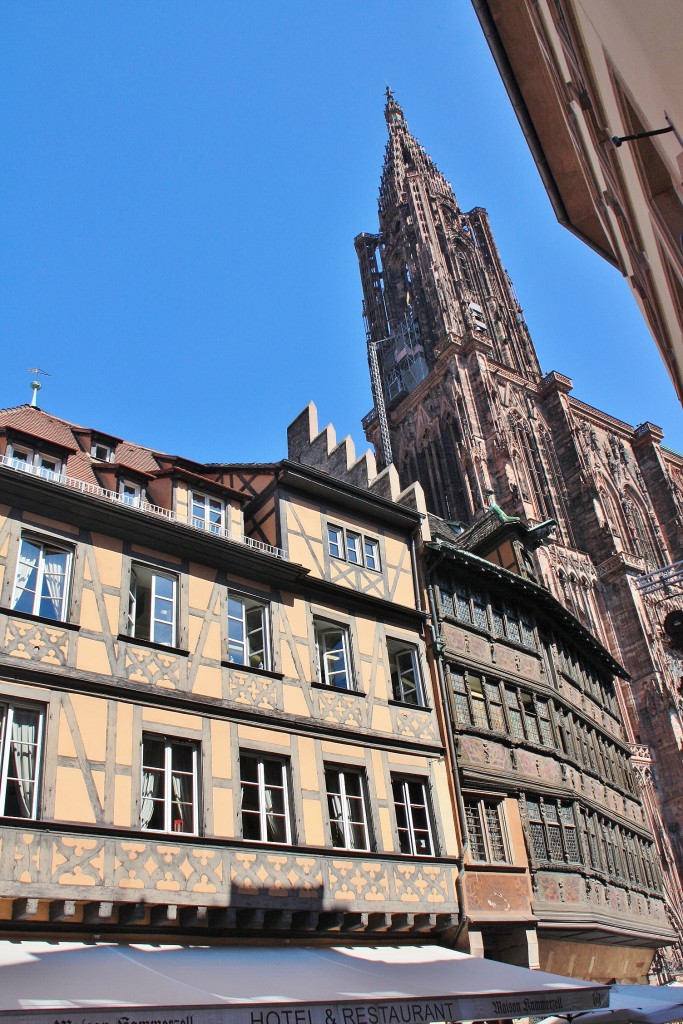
x=642, y=538
x=612, y=515
x=533, y=477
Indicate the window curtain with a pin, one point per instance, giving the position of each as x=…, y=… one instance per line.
x=337, y=819
x=151, y=783
x=28, y=560
x=275, y=816
x=181, y=786
x=24, y=740
x=54, y=575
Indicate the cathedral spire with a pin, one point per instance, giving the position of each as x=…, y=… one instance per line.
x=393, y=112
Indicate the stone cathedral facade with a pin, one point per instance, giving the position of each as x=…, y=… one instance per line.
x=461, y=404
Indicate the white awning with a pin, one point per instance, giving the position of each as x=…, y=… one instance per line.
x=144, y=984
x=635, y=1004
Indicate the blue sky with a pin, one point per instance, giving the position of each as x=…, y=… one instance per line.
x=180, y=188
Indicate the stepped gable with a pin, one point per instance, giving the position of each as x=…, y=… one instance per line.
x=319, y=449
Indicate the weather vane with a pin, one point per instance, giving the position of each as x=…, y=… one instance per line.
x=35, y=384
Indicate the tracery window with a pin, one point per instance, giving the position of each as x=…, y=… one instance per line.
x=642, y=540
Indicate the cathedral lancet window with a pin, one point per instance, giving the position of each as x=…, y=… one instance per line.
x=643, y=542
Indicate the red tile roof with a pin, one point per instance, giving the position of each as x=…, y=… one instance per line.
x=39, y=424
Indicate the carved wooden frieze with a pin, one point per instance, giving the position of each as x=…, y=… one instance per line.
x=554, y=891
x=342, y=708
x=477, y=751
x=37, y=641
x=413, y=723
x=495, y=894
x=153, y=666
x=157, y=870
x=254, y=691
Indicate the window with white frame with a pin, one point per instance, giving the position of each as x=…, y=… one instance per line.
x=130, y=493
x=347, y=806
x=169, y=798
x=486, y=830
x=335, y=541
x=41, y=585
x=21, y=741
x=207, y=513
x=152, y=605
x=405, y=673
x=353, y=547
x=47, y=466
x=266, y=813
x=371, y=552
x=101, y=451
x=333, y=657
x=413, y=819
x=248, y=640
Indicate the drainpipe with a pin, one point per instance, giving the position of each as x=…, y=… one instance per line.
x=413, y=564
x=437, y=650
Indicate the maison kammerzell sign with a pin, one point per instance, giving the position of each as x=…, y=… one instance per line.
x=414, y=1011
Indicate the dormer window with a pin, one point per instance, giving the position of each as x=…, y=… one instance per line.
x=102, y=452
x=30, y=461
x=207, y=513
x=130, y=493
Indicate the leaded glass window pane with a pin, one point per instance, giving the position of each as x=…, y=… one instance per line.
x=544, y=723
x=495, y=833
x=498, y=622
x=512, y=626
x=530, y=718
x=462, y=601
x=538, y=841
x=475, y=832
x=496, y=715
x=514, y=714
x=555, y=842
x=528, y=632
x=479, y=609
x=478, y=702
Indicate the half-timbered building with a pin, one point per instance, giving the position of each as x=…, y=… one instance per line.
x=217, y=716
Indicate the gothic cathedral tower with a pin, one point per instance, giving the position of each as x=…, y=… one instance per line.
x=461, y=404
